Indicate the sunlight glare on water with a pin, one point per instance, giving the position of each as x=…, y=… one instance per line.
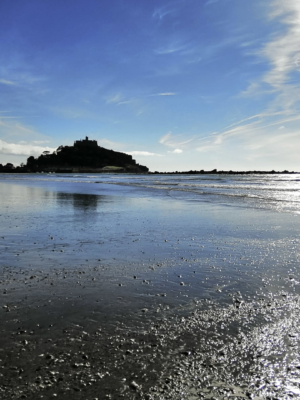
x=279, y=192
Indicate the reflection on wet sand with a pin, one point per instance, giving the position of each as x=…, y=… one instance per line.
x=83, y=202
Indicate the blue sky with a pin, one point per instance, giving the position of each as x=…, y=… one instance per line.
x=180, y=85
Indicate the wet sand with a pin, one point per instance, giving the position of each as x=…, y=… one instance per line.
x=53, y=344
x=138, y=298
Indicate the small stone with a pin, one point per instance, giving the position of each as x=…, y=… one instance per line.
x=134, y=385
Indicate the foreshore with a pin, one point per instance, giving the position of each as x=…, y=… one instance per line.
x=109, y=292
x=54, y=345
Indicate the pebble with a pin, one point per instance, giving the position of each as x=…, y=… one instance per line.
x=134, y=385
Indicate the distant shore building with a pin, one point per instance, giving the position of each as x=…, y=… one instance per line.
x=86, y=143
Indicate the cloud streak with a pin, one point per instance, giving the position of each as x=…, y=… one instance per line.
x=176, y=142
x=176, y=151
x=114, y=99
x=258, y=139
x=143, y=153
x=23, y=149
x=283, y=52
x=6, y=82
x=283, y=56
x=15, y=128
x=164, y=94
x=171, y=49
x=262, y=134
x=162, y=12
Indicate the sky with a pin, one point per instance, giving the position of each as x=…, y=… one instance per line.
x=181, y=85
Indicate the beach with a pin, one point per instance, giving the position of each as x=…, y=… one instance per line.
x=143, y=287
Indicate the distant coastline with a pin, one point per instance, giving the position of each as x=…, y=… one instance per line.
x=109, y=170
x=222, y=172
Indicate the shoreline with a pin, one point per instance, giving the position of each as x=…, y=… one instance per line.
x=221, y=172
x=21, y=170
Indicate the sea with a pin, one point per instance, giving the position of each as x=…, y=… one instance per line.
x=154, y=242
x=278, y=192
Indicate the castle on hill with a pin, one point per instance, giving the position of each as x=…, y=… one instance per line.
x=85, y=143
x=84, y=156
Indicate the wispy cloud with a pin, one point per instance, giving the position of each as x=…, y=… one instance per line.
x=164, y=94
x=109, y=144
x=23, y=149
x=114, y=99
x=283, y=51
x=282, y=54
x=7, y=82
x=206, y=148
x=176, y=141
x=130, y=101
x=258, y=139
x=9, y=117
x=143, y=153
x=119, y=99
x=257, y=117
x=13, y=131
x=271, y=131
x=171, y=48
x=27, y=80
x=161, y=12
x=176, y=151
x=35, y=142
x=14, y=128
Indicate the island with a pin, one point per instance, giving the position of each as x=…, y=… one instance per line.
x=84, y=156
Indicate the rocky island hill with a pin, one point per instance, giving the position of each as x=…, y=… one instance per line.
x=84, y=156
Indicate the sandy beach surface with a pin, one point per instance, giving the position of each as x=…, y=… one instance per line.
x=115, y=292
